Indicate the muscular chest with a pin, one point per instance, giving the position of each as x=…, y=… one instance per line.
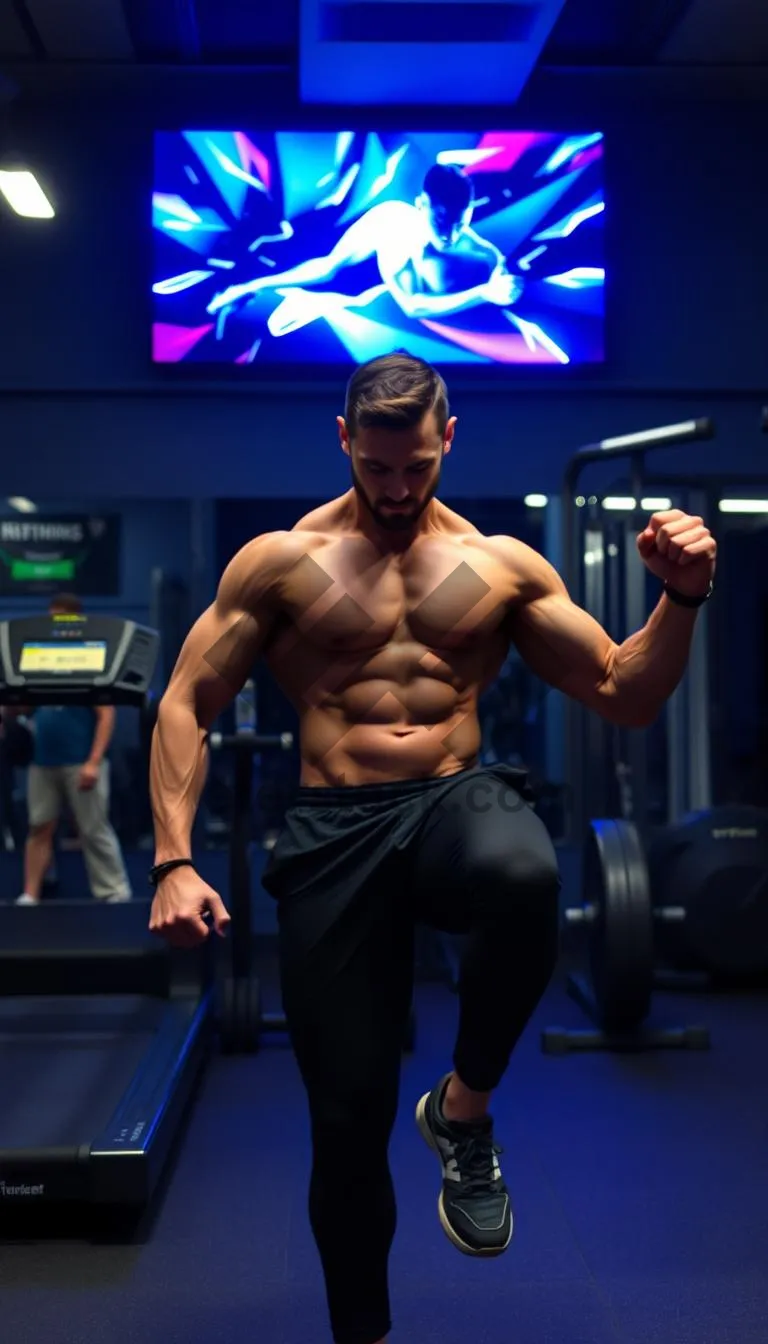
x=439, y=272
x=442, y=596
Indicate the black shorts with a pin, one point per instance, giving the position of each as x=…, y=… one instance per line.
x=345, y=851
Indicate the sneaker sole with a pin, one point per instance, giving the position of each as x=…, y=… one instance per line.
x=453, y=1236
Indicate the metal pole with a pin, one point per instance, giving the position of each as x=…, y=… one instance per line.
x=576, y=811
x=618, y=795
x=554, y=708
x=677, y=765
x=666, y=436
x=240, y=860
x=595, y=731
x=697, y=676
x=635, y=618
x=244, y=746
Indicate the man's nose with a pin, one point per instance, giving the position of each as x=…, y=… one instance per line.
x=397, y=490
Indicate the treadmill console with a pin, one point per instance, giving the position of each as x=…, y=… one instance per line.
x=76, y=660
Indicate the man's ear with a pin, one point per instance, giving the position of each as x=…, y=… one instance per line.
x=448, y=436
x=341, y=425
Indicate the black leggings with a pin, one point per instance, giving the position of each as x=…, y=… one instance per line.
x=353, y=871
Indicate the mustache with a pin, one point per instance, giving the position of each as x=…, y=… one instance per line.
x=401, y=513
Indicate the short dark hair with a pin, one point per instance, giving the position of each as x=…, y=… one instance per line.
x=66, y=602
x=446, y=185
x=395, y=392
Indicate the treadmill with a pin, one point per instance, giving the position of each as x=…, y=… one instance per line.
x=103, y=1028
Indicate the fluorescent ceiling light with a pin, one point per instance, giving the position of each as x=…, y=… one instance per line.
x=744, y=505
x=24, y=194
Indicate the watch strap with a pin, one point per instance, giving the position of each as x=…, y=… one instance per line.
x=685, y=599
x=158, y=872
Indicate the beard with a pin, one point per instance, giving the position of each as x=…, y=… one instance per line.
x=401, y=519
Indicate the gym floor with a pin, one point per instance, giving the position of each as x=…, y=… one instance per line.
x=640, y=1185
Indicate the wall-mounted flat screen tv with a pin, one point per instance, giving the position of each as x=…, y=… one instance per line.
x=310, y=249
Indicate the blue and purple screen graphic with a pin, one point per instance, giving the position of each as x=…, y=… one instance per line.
x=303, y=248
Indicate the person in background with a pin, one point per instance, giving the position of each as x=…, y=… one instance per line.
x=70, y=765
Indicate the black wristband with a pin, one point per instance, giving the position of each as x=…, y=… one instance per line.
x=159, y=871
x=683, y=600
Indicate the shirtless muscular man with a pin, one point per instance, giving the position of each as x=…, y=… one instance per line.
x=383, y=615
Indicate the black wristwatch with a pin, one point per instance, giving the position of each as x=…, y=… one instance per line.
x=159, y=871
x=683, y=600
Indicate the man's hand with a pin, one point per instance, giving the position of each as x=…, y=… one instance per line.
x=181, y=902
x=680, y=551
x=503, y=288
x=88, y=777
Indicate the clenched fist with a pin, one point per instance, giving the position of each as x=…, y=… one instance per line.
x=680, y=550
x=503, y=288
x=181, y=902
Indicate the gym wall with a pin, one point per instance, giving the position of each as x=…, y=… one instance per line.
x=688, y=297
x=153, y=533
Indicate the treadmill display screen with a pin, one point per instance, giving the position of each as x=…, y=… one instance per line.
x=87, y=655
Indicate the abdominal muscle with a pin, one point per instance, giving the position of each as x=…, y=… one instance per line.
x=418, y=722
x=335, y=751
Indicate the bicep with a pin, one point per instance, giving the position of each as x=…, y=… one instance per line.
x=566, y=647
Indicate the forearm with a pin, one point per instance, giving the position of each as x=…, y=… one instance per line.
x=649, y=666
x=438, y=305
x=101, y=739
x=312, y=271
x=177, y=774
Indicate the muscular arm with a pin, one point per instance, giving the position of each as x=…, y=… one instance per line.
x=628, y=683
x=216, y=658
x=374, y=230
x=413, y=304
x=312, y=271
x=105, y=726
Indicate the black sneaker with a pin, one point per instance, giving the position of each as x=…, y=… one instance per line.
x=474, y=1204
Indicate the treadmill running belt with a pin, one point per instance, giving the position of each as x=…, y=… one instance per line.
x=65, y=1065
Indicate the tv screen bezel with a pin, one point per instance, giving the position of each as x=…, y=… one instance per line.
x=319, y=376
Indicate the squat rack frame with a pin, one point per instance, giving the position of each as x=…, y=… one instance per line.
x=589, y=739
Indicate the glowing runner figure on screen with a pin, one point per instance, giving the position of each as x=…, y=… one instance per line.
x=430, y=261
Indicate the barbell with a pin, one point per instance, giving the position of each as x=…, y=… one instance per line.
x=618, y=915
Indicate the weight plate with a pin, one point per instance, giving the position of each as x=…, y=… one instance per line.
x=616, y=887
x=715, y=865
